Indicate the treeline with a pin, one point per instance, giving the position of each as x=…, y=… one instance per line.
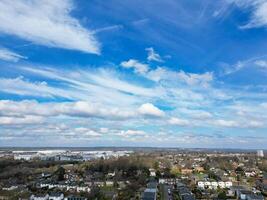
x=19, y=171
x=130, y=166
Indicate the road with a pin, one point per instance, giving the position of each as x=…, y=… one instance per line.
x=167, y=192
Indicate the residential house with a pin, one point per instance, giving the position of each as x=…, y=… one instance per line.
x=199, y=169
x=39, y=197
x=255, y=197
x=56, y=196
x=149, y=194
x=186, y=171
x=72, y=197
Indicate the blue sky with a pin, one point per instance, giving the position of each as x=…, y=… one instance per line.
x=133, y=73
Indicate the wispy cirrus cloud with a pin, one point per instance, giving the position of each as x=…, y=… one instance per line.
x=96, y=85
x=8, y=55
x=257, y=9
x=108, y=28
x=46, y=23
x=23, y=87
x=257, y=62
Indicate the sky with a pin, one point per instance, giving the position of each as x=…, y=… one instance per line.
x=189, y=74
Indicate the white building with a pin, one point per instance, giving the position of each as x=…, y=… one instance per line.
x=67, y=187
x=13, y=187
x=250, y=173
x=201, y=184
x=109, y=183
x=221, y=184
x=23, y=157
x=152, y=172
x=228, y=184
x=260, y=153
x=56, y=196
x=39, y=197
x=214, y=184
x=207, y=184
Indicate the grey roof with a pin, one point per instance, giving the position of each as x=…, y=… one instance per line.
x=245, y=192
x=149, y=196
x=183, y=190
x=72, y=197
x=188, y=197
x=255, y=197
x=152, y=184
x=179, y=184
x=237, y=187
x=55, y=194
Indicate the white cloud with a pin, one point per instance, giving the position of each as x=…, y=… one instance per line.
x=246, y=123
x=196, y=114
x=55, y=131
x=131, y=133
x=259, y=16
x=72, y=109
x=25, y=107
x=103, y=130
x=20, y=86
x=261, y=63
x=226, y=123
x=100, y=86
x=86, y=132
x=106, y=98
x=81, y=109
x=27, y=119
x=191, y=79
x=258, y=9
x=46, y=23
x=108, y=79
x=255, y=124
x=196, y=79
x=108, y=87
x=108, y=28
x=70, y=132
x=7, y=55
x=150, y=110
x=263, y=105
x=202, y=115
x=152, y=55
x=257, y=62
x=87, y=109
x=136, y=65
x=160, y=73
x=178, y=121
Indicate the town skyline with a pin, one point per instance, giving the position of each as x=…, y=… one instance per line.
x=133, y=74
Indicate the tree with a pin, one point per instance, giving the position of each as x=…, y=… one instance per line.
x=156, y=165
x=197, y=193
x=222, y=195
x=240, y=170
x=60, y=173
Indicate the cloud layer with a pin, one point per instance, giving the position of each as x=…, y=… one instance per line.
x=159, y=81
